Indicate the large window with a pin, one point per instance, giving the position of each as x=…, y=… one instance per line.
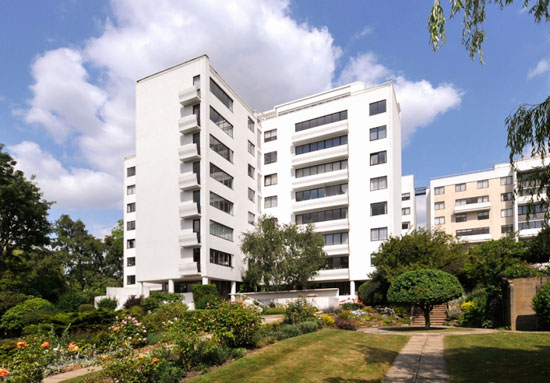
x=322, y=192
x=460, y=187
x=130, y=225
x=222, y=123
x=270, y=135
x=439, y=190
x=221, y=95
x=220, y=258
x=377, y=107
x=378, y=208
x=322, y=216
x=270, y=201
x=320, y=145
x=535, y=209
x=131, y=189
x=221, y=176
x=221, y=203
x=221, y=231
x=506, y=180
x=531, y=225
x=469, y=201
x=328, y=119
x=270, y=179
x=378, y=133
x=378, y=158
x=506, y=212
x=378, y=183
x=221, y=149
x=337, y=263
x=335, y=238
x=508, y=196
x=379, y=234
x=482, y=184
x=476, y=231
x=270, y=158
x=322, y=168
x=131, y=171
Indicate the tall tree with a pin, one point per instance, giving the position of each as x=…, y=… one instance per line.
x=114, y=249
x=24, y=221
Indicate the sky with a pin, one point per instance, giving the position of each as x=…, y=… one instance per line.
x=69, y=68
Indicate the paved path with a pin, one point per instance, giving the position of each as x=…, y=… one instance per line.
x=272, y=318
x=71, y=374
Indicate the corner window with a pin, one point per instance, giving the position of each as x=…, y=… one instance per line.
x=131, y=171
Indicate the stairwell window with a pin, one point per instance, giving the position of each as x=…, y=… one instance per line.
x=131, y=171
x=377, y=107
x=131, y=189
x=378, y=158
x=130, y=225
x=270, y=158
x=251, y=148
x=270, y=201
x=251, y=195
x=251, y=171
x=378, y=133
x=378, y=183
x=378, y=208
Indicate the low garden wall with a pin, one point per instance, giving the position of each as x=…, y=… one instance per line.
x=520, y=311
x=321, y=298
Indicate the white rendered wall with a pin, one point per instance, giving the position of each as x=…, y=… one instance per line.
x=407, y=186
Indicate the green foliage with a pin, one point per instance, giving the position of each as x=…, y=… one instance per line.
x=541, y=305
x=30, y=360
x=372, y=293
x=273, y=310
x=327, y=320
x=281, y=256
x=70, y=301
x=160, y=317
x=85, y=308
x=9, y=299
x=425, y=289
x=158, y=298
x=299, y=311
x=114, y=249
x=538, y=249
x=133, y=300
x=288, y=331
x=206, y=296
x=17, y=317
x=308, y=326
x=108, y=304
x=345, y=324
x=130, y=330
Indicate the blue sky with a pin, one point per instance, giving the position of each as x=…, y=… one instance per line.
x=69, y=68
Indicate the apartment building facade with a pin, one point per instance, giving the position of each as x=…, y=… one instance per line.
x=480, y=206
x=408, y=204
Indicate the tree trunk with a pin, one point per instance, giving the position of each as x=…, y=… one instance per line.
x=427, y=310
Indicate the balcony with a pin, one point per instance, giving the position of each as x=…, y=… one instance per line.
x=189, y=124
x=189, y=181
x=190, y=96
x=189, y=152
x=320, y=203
x=342, y=249
x=189, y=209
x=331, y=275
x=318, y=156
x=320, y=132
x=189, y=239
x=334, y=225
x=188, y=269
x=472, y=207
x=476, y=238
x=321, y=179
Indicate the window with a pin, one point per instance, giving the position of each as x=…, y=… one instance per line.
x=250, y=125
x=270, y=135
x=251, y=218
x=131, y=189
x=221, y=203
x=270, y=179
x=322, y=216
x=476, y=231
x=130, y=261
x=461, y=217
x=130, y=243
x=405, y=225
x=378, y=158
x=334, y=117
x=506, y=229
x=222, y=123
x=439, y=190
x=506, y=196
x=482, y=184
x=221, y=95
x=535, y=209
x=531, y=225
x=405, y=196
x=270, y=201
x=378, y=208
x=251, y=149
x=379, y=234
x=270, y=158
x=377, y=107
x=130, y=279
x=468, y=201
x=506, y=212
x=460, y=187
x=131, y=171
x=334, y=263
x=221, y=176
x=439, y=220
x=439, y=205
x=322, y=168
x=130, y=225
x=483, y=215
x=251, y=194
x=221, y=149
x=197, y=113
x=197, y=197
x=221, y=231
x=131, y=207
x=406, y=211
x=320, y=145
x=196, y=226
x=220, y=258
x=378, y=183
x=251, y=171
x=506, y=180
x=378, y=133
x=197, y=81
x=335, y=239
x=321, y=192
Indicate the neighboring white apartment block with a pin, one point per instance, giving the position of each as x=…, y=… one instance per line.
x=206, y=166
x=480, y=206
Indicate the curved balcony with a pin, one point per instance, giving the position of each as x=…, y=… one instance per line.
x=332, y=275
x=189, y=239
x=190, y=96
x=188, y=269
x=342, y=249
x=189, y=152
x=189, y=181
x=189, y=124
x=189, y=209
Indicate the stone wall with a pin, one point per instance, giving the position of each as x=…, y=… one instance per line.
x=520, y=311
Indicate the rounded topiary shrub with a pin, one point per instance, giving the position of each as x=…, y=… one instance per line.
x=308, y=326
x=108, y=304
x=23, y=314
x=541, y=305
x=288, y=331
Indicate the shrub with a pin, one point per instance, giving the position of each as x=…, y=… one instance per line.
x=85, y=307
x=9, y=299
x=371, y=293
x=31, y=357
x=541, y=305
x=206, y=296
x=108, y=304
x=352, y=304
x=69, y=302
x=130, y=330
x=135, y=311
x=159, y=298
x=308, y=326
x=288, y=331
x=159, y=318
x=273, y=310
x=132, y=301
x=327, y=320
x=25, y=313
x=299, y=311
x=234, y=325
x=345, y=324
x=345, y=314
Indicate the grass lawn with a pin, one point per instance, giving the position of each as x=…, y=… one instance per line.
x=423, y=329
x=81, y=378
x=499, y=358
x=323, y=356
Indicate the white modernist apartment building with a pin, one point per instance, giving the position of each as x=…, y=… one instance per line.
x=480, y=206
x=206, y=166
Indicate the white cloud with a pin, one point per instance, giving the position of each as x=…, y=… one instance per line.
x=367, y=30
x=420, y=101
x=543, y=66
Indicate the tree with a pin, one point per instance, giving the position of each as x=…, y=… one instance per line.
x=425, y=289
x=24, y=221
x=528, y=127
x=281, y=256
x=538, y=248
x=114, y=251
x=421, y=249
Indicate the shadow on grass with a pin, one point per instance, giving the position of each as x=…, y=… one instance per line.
x=419, y=329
